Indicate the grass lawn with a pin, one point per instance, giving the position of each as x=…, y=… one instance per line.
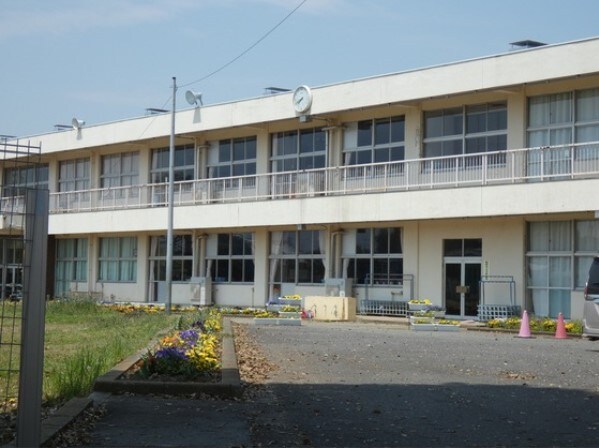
x=82, y=341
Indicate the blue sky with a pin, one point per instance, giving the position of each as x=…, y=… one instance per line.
x=108, y=60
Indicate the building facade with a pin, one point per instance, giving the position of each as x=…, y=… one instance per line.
x=417, y=184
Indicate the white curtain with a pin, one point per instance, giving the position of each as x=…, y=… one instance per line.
x=276, y=239
x=151, y=279
x=322, y=243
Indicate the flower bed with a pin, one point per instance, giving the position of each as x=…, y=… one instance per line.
x=546, y=324
x=209, y=368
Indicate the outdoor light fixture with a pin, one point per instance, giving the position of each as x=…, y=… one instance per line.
x=77, y=124
x=193, y=98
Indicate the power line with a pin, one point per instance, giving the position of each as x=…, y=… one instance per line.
x=247, y=50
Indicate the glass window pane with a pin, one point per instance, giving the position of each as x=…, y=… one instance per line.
x=306, y=141
x=397, y=154
x=248, y=270
x=304, y=271
x=452, y=122
x=288, y=243
x=317, y=271
x=559, y=236
x=381, y=155
x=363, y=241
x=538, y=238
x=363, y=271
x=224, y=151
x=395, y=245
x=288, y=271
x=305, y=242
x=381, y=271
x=559, y=271
x=395, y=270
x=381, y=241
x=398, y=129
x=433, y=124
x=587, y=236
x=250, y=148
x=238, y=149
x=538, y=268
x=237, y=270
x=382, y=131
x=587, y=105
x=222, y=244
x=222, y=270
x=365, y=133
x=237, y=241
x=582, y=271
x=473, y=247
x=452, y=248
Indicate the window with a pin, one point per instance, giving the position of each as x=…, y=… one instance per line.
x=11, y=258
x=73, y=175
x=120, y=170
x=586, y=246
x=466, y=130
x=549, y=266
x=182, y=258
x=374, y=141
x=378, y=258
x=236, y=157
x=297, y=257
x=560, y=119
x=234, y=260
x=18, y=179
x=299, y=150
x=184, y=166
x=71, y=263
x=118, y=259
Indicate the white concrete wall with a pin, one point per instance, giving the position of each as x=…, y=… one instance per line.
x=503, y=245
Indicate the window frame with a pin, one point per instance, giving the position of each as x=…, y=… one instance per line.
x=290, y=150
x=226, y=261
x=107, y=260
x=364, y=152
x=291, y=258
x=453, y=131
x=367, y=251
x=183, y=250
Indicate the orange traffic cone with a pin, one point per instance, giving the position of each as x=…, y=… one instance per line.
x=560, y=330
x=524, y=326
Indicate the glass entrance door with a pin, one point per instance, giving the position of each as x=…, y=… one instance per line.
x=461, y=287
x=462, y=260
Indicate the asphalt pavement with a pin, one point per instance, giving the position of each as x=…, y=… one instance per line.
x=371, y=385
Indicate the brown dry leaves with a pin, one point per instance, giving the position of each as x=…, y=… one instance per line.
x=254, y=367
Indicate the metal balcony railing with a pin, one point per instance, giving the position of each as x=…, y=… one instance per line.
x=502, y=167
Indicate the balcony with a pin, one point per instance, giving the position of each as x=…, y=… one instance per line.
x=552, y=163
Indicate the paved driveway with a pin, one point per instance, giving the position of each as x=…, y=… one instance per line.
x=372, y=385
x=350, y=385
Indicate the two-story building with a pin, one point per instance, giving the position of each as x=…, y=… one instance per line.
x=417, y=184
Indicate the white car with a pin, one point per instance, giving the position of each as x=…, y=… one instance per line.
x=590, y=317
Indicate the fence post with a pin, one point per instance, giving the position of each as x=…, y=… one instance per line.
x=29, y=418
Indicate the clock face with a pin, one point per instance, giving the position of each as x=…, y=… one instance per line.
x=302, y=99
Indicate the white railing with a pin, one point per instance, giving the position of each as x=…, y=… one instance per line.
x=503, y=167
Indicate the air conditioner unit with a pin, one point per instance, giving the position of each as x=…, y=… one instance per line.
x=339, y=287
x=201, y=290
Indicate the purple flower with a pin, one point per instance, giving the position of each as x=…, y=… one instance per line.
x=171, y=353
x=189, y=336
